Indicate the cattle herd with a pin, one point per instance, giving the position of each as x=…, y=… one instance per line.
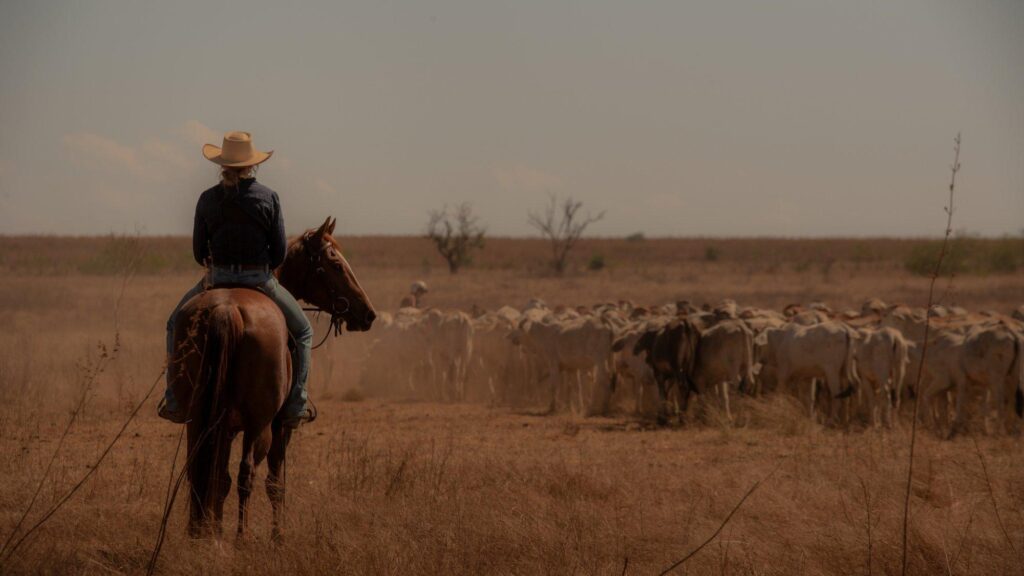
x=654, y=361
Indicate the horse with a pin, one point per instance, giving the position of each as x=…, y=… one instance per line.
x=231, y=366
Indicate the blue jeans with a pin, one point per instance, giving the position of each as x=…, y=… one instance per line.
x=298, y=326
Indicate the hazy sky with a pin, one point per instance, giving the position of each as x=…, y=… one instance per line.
x=797, y=117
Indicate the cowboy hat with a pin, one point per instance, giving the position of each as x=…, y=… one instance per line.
x=237, y=151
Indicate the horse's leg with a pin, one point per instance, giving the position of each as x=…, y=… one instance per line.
x=276, y=476
x=254, y=450
x=245, y=473
x=222, y=480
x=197, y=478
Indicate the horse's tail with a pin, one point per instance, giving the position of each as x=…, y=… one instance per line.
x=209, y=410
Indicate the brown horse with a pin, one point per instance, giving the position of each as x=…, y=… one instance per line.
x=232, y=368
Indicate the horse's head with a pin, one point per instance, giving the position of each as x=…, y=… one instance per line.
x=315, y=271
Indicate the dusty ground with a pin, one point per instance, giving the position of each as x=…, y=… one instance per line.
x=381, y=485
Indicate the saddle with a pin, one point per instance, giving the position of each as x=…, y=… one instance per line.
x=233, y=285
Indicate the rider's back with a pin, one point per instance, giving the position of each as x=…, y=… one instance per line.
x=239, y=226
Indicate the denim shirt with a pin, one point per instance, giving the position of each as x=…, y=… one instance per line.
x=242, y=225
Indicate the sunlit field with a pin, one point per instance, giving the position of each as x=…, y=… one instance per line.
x=391, y=485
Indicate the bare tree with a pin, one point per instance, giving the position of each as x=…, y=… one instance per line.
x=562, y=224
x=455, y=233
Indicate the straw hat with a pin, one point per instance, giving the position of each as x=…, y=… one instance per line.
x=237, y=151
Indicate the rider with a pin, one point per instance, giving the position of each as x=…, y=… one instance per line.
x=239, y=234
x=418, y=290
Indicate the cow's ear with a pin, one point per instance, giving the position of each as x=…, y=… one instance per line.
x=644, y=343
x=619, y=343
x=691, y=330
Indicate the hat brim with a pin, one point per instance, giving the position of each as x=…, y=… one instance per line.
x=214, y=154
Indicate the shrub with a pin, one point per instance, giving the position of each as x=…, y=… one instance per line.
x=1005, y=257
x=711, y=254
x=596, y=262
x=922, y=258
x=456, y=234
x=563, y=226
x=636, y=237
x=967, y=255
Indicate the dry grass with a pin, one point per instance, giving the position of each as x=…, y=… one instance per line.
x=382, y=486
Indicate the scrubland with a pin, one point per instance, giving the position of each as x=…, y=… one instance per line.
x=384, y=485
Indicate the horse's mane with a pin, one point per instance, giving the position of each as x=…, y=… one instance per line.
x=296, y=243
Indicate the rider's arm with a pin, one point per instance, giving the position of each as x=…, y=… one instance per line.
x=278, y=240
x=200, y=239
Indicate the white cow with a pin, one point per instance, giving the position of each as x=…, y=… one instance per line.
x=800, y=354
x=882, y=359
x=450, y=341
x=570, y=355
x=495, y=358
x=724, y=360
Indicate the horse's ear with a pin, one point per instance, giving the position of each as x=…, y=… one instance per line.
x=330, y=229
x=319, y=234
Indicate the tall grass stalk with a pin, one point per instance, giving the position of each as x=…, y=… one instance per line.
x=954, y=169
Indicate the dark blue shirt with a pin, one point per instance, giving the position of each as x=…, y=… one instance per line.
x=242, y=225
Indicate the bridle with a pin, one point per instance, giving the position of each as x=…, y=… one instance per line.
x=315, y=268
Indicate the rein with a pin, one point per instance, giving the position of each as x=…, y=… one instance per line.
x=335, y=325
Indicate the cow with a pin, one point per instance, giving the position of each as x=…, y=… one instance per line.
x=632, y=374
x=569, y=356
x=991, y=358
x=804, y=353
x=450, y=341
x=882, y=357
x=724, y=359
x=873, y=306
x=670, y=351
x=987, y=356
x=495, y=359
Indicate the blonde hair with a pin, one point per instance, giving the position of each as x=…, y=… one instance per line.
x=229, y=176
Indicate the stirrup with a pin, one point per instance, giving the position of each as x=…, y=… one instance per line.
x=309, y=414
x=179, y=417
